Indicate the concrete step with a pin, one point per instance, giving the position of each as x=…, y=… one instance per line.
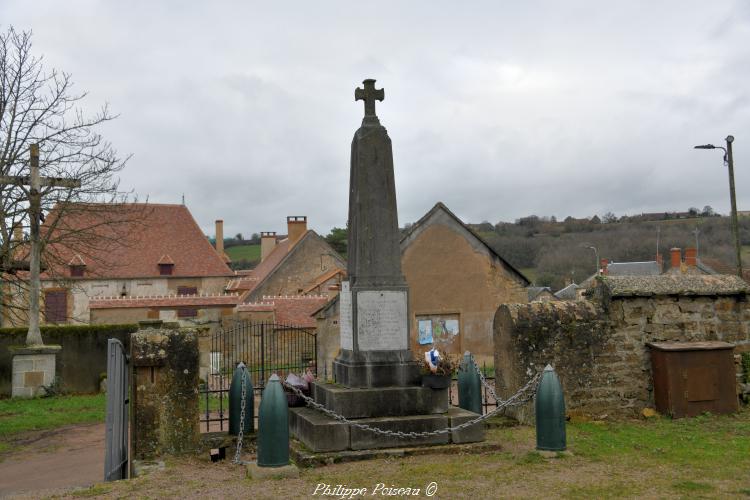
x=321, y=433
x=381, y=401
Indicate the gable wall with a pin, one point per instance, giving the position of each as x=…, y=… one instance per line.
x=309, y=259
x=450, y=273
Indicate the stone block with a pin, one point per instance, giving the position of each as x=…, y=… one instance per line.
x=33, y=379
x=381, y=402
x=363, y=439
x=471, y=434
x=23, y=365
x=317, y=431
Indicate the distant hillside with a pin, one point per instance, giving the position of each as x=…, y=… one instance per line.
x=244, y=256
x=551, y=253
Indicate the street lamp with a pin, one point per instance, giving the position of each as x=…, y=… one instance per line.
x=596, y=256
x=729, y=161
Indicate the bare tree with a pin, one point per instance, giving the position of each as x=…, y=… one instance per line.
x=40, y=105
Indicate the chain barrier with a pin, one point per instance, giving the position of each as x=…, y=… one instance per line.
x=241, y=434
x=486, y=384
x=524, y=395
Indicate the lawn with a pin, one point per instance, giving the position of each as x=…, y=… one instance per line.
x=705, y=457
x=244, y=252
x=19, y=416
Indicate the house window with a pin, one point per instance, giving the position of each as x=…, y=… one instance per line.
x=187, y=290
x=166, y=269
x=187, y=312
x=56, y=306
x=77, y=271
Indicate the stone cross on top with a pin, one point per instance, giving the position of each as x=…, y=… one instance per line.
x=369, y=94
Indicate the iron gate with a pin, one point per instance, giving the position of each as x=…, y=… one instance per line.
x=265, y=348
x=116, y=439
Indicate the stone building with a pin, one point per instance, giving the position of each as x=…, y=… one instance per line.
x=456, y=283
x=599, y=347
x=132, y=262
x=302, y=263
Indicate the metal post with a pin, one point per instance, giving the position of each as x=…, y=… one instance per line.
x=735, y=225
x=34, y=336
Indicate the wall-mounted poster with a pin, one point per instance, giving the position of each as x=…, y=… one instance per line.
x=438, y=328
x=425, y=331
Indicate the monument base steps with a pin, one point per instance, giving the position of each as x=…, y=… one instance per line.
x=321, y=433
x=382, y=401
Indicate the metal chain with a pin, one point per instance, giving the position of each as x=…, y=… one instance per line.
x=524, y=395
x=486, y=384
x=241, y=433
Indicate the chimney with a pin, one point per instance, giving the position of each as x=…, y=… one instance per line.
x=676, y=258
x=267, y=243
x=17, y=240
x=296, y=227
x=220, y=237
x=691, y=257
x=603, y=266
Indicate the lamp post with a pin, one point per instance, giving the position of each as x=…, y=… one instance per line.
x=729, y=161
x=596, y=256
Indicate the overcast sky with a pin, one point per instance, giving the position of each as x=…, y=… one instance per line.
x=498, y=109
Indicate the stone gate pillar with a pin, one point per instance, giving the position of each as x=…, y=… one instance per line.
x=164, y=384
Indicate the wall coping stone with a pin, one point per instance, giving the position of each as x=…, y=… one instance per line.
x=18, y=350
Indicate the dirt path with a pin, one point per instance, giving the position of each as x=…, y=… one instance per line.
x=61, y=458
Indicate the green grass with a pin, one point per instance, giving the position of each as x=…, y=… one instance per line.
x=23, y=415
x=244, y=252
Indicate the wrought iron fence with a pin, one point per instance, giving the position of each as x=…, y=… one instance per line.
x=265, y=348
x=489, y=402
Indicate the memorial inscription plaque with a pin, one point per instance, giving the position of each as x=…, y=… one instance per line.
x=382, y=323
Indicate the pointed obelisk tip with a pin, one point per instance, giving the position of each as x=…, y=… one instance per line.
x=274, y=378
x=549, y=368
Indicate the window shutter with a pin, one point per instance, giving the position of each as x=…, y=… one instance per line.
x=56, y=306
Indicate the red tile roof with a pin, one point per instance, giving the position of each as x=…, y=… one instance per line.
x=129, y=240
x=164, y=301
x=294, y=310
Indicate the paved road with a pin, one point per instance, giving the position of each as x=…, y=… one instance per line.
x=65, y=457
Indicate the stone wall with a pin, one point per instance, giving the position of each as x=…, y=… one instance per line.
x=310, y=258
x=80, y=363
x=598, y=348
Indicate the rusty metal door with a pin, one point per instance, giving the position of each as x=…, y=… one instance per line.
x=116, y=459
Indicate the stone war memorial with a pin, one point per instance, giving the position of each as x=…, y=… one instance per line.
x=377, y=381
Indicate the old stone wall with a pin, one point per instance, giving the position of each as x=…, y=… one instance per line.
x=599, y=349
x=82, y=359
x=310, y=258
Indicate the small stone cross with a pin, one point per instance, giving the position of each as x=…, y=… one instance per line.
x=369, y=94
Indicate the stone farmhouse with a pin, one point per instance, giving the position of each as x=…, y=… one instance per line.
x=303, y=263
x=134, y=262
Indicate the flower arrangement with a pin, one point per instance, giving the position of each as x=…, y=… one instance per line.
x=435, y=363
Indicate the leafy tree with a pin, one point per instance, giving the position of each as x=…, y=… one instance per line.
x=708, y=211
x=338, y=238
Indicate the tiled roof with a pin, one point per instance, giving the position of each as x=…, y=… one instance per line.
x=651, y=268
x=567, y=293
x=129, y=240
x=242, y=283
x=534, y=291
x=673, y=284
x=264, y=269
x=294, y=310
x=323, y=278
x=164, y=301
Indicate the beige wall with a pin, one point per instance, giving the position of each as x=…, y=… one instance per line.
x=448, y=274
x=311, y=258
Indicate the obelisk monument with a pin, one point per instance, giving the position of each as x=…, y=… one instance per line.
x=374, y=301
